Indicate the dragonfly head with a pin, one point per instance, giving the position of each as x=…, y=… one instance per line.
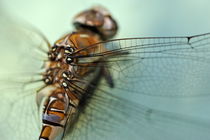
x=97, y=19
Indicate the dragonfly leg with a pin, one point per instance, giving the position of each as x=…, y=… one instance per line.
x=108, y=77
x=86, y=69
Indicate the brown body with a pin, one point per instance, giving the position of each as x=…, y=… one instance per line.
x=64, y=78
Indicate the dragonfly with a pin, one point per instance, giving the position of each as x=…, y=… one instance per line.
x=85, y=85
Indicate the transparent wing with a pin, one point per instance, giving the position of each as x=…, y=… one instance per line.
x=113, y=115
x=108, y=115
x=173, y=66
x=20, y=59
x=168, y=66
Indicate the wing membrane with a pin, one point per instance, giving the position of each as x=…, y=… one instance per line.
x=142, y=65
x=148, y=65
x=22, y=49
x=168, y=66
x=112, y=115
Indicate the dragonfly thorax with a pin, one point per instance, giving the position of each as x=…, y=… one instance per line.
x=62, y=57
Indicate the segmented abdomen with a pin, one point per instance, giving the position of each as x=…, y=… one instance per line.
x=58, y=107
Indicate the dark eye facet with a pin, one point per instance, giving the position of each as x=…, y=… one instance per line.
x=69, y=50
x=69, y=60
x=51, y=56
x=53, y=53
x=67, y=75
x=48, y=80
x=54, y=48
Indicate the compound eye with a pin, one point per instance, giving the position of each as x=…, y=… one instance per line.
x=69, y=50
x=69, y=60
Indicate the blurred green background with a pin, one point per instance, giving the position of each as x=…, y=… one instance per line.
x=136, y=18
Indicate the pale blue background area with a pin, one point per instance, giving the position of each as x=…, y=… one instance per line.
x=136, y=18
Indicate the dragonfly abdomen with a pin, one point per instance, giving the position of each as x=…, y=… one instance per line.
x=55, y=116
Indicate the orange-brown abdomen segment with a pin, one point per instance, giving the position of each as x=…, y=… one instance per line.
x=46, y=131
